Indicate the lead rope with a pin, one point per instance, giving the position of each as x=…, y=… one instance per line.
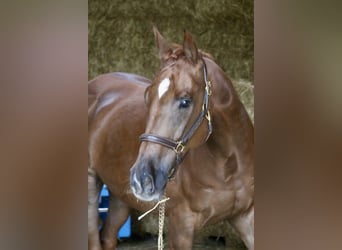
x=161, y=226
x=161, y=220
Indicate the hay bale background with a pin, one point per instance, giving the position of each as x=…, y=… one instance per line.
x=121, y=38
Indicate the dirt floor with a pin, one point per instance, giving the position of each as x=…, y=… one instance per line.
x=150, y=243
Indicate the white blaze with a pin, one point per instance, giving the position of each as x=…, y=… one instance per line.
x=163, y=87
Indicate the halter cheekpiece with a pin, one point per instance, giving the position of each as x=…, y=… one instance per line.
x=179, y=146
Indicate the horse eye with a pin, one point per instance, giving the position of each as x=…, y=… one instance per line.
x=184, y=102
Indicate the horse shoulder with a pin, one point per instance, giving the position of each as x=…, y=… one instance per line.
x=110, y=96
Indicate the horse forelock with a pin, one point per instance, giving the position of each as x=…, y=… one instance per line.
x=177, y=52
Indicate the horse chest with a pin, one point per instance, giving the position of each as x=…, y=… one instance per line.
x=212, y=205
x=212, y=189
x=211, y=198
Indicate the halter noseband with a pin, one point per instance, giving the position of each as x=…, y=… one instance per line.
x=179, y=146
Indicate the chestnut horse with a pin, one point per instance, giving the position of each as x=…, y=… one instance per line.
x=196, y=147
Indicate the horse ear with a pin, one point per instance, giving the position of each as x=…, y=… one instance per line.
x=189, y=47
x=163, y=46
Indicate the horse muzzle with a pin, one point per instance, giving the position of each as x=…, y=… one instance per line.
x=146, y=185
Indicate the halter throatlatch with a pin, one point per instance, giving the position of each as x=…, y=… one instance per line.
x=179, y=146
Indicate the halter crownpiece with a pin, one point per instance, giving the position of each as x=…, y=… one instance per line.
x=179, y=146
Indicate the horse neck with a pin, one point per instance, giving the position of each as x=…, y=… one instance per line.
x=232, y=128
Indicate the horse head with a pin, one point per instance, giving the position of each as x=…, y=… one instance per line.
x=178, y=118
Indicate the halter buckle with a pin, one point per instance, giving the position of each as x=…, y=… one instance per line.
x=179, y=148
x=208, y=87
x=208, y=117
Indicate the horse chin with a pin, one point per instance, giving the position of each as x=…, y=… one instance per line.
x=147, y=197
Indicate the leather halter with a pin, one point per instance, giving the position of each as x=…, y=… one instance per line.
x=179, y=146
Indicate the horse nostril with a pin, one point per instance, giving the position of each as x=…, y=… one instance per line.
x=147, y=183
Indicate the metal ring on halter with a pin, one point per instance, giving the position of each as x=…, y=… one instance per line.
x=179, y=148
